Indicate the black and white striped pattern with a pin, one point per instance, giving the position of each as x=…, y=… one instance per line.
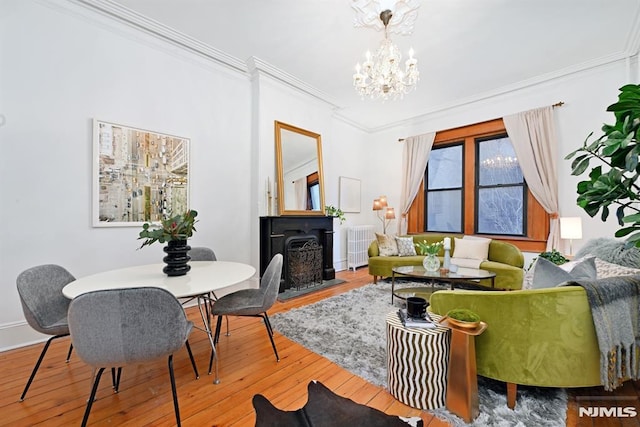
x=417, y=362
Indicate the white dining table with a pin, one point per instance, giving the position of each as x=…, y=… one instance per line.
x=201, y=282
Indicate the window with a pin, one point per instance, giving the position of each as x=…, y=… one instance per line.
x=500, y=188
x=444, y=190
x=473, y=185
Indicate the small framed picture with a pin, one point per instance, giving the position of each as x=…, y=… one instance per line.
x=349, y=194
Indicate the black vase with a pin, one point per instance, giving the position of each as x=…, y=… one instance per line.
x=177, y=258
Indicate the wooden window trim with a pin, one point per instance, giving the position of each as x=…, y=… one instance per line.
x=535, y=239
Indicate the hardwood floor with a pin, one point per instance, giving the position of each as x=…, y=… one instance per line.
x=247, y=367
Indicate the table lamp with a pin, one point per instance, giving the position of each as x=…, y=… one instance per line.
x=571, y=228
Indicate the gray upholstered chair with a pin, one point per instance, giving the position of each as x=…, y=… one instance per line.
x=252, y=302
x=117, y=327
x=201, y=253
x=44, y=306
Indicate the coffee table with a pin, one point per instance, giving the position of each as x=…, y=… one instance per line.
x=464, y=275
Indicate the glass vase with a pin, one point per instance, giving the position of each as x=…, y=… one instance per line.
x=431, y=262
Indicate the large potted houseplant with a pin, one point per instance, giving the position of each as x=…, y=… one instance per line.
x=614, y=181
x=174, y=231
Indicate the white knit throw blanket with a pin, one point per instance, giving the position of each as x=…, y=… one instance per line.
x=615, y=307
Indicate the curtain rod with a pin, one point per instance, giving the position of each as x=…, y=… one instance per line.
x=557, y=104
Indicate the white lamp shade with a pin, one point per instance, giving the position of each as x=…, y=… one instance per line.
x=571, y=228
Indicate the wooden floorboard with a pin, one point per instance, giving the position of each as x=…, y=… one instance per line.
x=247, y=366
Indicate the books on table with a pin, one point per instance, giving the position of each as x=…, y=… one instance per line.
x=411, y=322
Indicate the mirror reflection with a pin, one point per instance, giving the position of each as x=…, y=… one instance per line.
x=299, y=170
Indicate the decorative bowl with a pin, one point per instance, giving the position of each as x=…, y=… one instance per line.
x=463, y=318
x=462, y=323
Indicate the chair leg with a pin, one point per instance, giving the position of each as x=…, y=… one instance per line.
x=217, y=334
x=512, y=391
x=173, y=390
x=115, y=378
x=35, y=368
x=193, y=362
x=70, y=350
x=215, y=342
x=270, y=332
x=96, y=381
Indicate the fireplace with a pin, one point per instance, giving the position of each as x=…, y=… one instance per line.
x=282, y=234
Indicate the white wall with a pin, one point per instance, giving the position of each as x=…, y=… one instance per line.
x=63, y=66
x=344, y=148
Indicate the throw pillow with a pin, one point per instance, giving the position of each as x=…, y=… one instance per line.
x=547, y=274
x=405, y=246
x=387, y=245
x=608, y=269
x=471, y=248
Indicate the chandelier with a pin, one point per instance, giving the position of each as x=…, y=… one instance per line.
x=380, y=75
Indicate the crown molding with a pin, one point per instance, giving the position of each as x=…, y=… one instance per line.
x=140, y=22
x=258, y=66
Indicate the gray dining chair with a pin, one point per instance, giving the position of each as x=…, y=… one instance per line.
x=252, y=302
x=44, y=306
x=202, y=253
x=118, y=327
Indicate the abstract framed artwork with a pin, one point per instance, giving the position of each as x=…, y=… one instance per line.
x=349, y=194
x=139, y=175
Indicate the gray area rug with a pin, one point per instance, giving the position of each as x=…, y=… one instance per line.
x=349, y=329
x=293, y=292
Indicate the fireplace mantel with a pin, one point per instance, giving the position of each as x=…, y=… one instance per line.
x=277, y=231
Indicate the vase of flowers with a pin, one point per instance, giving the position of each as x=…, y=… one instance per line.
x=431, y=262
x=174, y=231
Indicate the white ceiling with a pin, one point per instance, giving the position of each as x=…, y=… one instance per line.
x=466, y=49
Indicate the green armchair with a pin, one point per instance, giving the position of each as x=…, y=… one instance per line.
x=538, y=337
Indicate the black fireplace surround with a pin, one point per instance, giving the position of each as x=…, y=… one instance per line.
x=276, y=232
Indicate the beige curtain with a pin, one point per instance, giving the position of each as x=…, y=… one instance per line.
x=414, y=162
x=300, y=188
x=534, y=141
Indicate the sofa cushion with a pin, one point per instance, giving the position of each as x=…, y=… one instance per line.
x=471, y=248
x=387, y=245
x=546, y=274
x=406, y=246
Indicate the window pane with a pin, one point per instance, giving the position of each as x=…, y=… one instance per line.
x=444, y=211
x=498, y=163
x=314, y=197
x=445, y=168
x=500, y=210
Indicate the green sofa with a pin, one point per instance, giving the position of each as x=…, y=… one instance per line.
x=539, y=337
x=505, y=259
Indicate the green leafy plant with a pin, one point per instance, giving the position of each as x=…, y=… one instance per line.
x=429, y=248
x=614, y=182
x=178, y=227
x=335, y=212
x=554, y=256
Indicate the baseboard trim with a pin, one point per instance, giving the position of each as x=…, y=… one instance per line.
x=19, y=334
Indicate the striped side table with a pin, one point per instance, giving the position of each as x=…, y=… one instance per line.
x=417, y=362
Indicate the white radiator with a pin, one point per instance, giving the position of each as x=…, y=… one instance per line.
x=359, y=238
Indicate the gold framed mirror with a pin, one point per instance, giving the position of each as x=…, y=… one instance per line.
x=299, y=171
